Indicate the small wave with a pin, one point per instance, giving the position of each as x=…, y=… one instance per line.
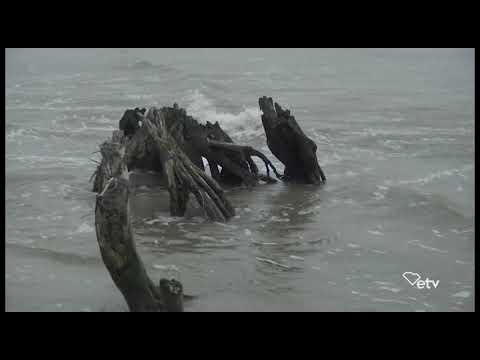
x=140, y=96
x=419, y=244
x=273, y=263
x=431, y=177
x=16, y=134
x=389, y=301
x=164, y=220
x=48, y=161
x=244, y=124
x=391, y=289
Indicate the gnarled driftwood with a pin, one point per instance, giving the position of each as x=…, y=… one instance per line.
x=117, y=247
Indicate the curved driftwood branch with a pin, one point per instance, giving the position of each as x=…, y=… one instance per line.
x=290, y=145
x=117, y=247
x=245, y=152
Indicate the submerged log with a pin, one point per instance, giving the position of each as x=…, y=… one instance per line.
x=290, y=145
x=117, y=246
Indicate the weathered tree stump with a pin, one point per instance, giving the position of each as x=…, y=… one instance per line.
x=169, y=141
x=196, y=140
x=290, y=145
x=117, y=247
x=153, y=142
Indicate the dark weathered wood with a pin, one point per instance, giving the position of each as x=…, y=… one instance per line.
x=169, y=141
x=117, y=246
x=182, y=175
x=194, y=138
x=290, y=145
x=245, y=153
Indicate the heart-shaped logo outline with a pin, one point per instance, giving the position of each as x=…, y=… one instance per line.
x=405, y=276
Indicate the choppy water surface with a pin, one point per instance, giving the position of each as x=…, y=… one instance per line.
x=395, y=136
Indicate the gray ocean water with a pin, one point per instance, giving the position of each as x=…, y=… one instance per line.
x=395, y=136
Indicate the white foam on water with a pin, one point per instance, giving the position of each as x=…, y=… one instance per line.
x=84, y=228
x=376, y=232
x=389, y=301
x=264, y=243
x=272, y=262
x=244, y=124
x=170, y=267
x=248, y=232
x=437, y=233
x=164, y=220
x=296, y=257
x=277, y=219
x=383, y=283
x=462, y=294
x=431, y=177
x=418, y=243
x=391, y=289
x=378, y=196
x=207, y=238
x=456, y=231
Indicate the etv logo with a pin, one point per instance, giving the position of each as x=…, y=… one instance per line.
x=414, y=280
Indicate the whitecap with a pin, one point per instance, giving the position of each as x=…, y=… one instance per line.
x=244, y=124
